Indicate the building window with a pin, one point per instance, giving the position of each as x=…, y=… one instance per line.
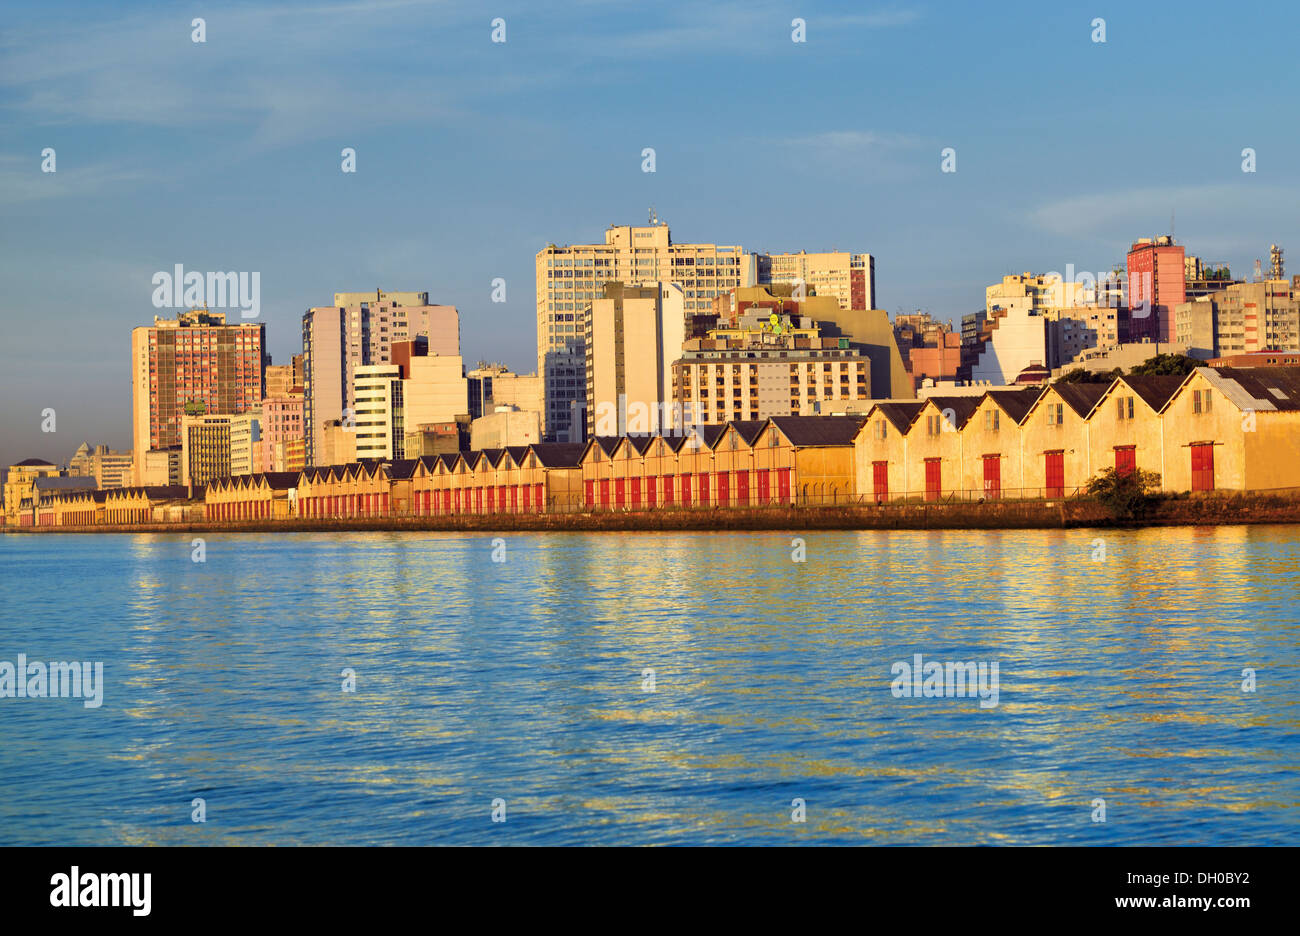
x=1125, y=407
x=991, y=419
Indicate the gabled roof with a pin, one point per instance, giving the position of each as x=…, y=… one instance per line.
x=493, y=456
x=899, y=414
x=558, y=454
x=517, y=453
x=1269, y=388
x=607, y=443
x=1081, y=397
x=640, y=443
x=280, y=480
x=748, y=428
x=963, y=407
x=1154, y=389
x=711, y=433
x=811, y=431
x=159, y=492
x=1016, y=403
x=402, y=468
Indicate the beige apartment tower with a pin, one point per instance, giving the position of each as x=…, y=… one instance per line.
x=570, y=279
x=195, y=363
x=632, y=336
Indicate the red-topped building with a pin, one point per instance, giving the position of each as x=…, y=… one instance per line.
x=1156, y=283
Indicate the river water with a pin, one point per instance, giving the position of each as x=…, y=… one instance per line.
x=652, y=688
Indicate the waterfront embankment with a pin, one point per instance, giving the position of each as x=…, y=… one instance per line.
x=1068, y=513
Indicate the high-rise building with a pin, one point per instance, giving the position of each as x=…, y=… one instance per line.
x=570, y=278
x=768, y=363
x=1157, y=277
x=849, y=277
x=631, y=336
x=220, y=446
x=413, y=390
x=359, y=330
x=195, y=363
x=283, y=442
x=1243, y=318
x=380, y=430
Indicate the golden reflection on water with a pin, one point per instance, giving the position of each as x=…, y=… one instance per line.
x=768, y=671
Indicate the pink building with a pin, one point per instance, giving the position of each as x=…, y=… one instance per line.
x=282, y=433
x=1156, y=276
x=940, y=362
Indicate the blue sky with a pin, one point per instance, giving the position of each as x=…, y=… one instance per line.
x=472, y=155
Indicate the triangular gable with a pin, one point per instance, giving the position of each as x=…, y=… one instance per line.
x=1155, y=391
x=1015, y=403
x=962, y=407
x=1080, y=397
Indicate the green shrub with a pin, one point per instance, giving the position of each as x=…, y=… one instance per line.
x=1127, y=496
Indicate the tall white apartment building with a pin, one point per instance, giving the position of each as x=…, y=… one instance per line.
x=359, y=330
x=397, y=398
x=570, y=279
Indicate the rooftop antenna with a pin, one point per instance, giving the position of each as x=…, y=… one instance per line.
x=654, y=219
x=1171, y=225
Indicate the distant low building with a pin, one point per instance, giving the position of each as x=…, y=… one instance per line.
x=20, y=482
x=506, y=427
x=109, y=469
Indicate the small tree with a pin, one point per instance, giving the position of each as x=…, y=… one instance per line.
x=1179, y=365
x=1127, y=495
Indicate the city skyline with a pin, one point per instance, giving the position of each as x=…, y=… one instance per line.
x=444, y=200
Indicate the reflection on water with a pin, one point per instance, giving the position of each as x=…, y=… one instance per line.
x=523, y=680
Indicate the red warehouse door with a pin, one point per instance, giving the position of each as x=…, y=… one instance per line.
x=783, y=485
x=620, y=493
x=742, y=488
x=704, y=488
x=992, y=476
x=1125, y=460
x=724, y=489
x=880, y=480
x=933, y=479
x=1055, y=473
x=604, y=492
x=650, y=492
x=764, y=486
x=686, y=490
x=591, y=494
x=636, y=493
x=1203, y=466
x=538, y=498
